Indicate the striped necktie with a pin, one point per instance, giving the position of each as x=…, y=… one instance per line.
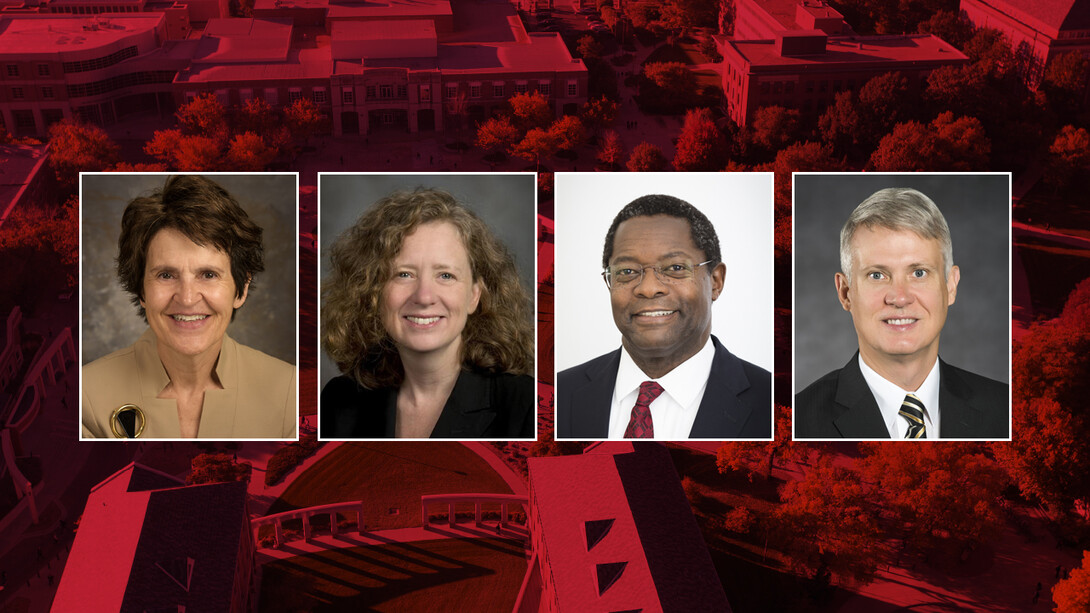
x=912, y=410
x=640, y=424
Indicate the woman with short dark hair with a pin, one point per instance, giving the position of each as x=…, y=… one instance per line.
x=188, y=255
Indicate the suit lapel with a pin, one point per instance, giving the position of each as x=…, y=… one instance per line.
x=591, y=401
x=959, y=419
x=722, y=415
x=468, y=410
x=861, y=417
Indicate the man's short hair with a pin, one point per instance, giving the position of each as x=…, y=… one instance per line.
x=897, y=208
x=701, y=230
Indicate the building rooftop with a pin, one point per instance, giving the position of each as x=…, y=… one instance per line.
x=621, y=535
x=392, y=9
x=298, y=64
x=239, y=41
x=785, y=11
x=396, y=29
x=141, y=549
x=542, y=52
x=852, y=50
x=384, y=9
x=1048, y=16
x=28, y=34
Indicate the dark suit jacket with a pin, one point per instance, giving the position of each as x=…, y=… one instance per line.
x=840, y=405
x=481, y=405
x=737, y=402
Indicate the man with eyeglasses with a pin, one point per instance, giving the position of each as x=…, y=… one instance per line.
x=670, y=379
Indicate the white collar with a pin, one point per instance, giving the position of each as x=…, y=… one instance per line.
x=684, y=383
x=889, y=397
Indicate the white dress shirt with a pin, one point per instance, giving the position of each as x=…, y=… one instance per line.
x=890, y=396
x=674, y=411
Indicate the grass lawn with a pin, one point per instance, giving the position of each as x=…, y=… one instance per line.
x=480, y=575
x=390, y=477
x=674, y=53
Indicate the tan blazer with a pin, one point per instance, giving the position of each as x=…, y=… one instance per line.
x=257, y=399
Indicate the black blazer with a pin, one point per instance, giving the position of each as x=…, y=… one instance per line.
x=481, y=405
x=840, y=405
x=737, y=402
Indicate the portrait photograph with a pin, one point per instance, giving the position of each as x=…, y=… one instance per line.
x=427, y=320
x=664, y=279
x=188, y=305
x=901, y=306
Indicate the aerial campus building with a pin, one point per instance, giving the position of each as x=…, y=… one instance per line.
x=406, y=65
x=620, y=537
x=800, y=53
x=148, y=542
x=1038, y=31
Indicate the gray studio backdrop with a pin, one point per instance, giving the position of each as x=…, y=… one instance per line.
x=506, y=202
x=266, y=322
x=976, y=336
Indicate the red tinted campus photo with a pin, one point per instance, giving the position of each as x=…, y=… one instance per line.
x=229, y=227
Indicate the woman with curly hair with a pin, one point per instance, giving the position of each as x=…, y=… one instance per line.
x=188, y=255
x=424, y=314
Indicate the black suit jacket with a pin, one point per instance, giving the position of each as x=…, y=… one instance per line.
x=481, y=405
x=840, y=405
x=737, y=402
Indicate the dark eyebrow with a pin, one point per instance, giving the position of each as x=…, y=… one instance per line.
x=665, y=256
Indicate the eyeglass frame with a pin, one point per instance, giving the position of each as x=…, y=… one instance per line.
x=658, y=274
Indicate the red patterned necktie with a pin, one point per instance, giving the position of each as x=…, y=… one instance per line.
x=640, y=425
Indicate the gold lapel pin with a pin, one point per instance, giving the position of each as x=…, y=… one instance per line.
x=127, y=419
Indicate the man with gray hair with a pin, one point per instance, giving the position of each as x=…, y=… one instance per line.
x=897, y=280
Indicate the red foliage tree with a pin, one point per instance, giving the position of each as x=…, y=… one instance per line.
x=248, y=152
x=938, y=491
x=163, y=145
x=946, y=144
x=569, y=132
x=197, y=153
x=1069, y=159
x=497, y=134
x=537, y=144
x=673, y=77
x=759, y=457
x=75, y=147
x=1072, y=595
x=303, y=119
x=599, y=113
x=205, y=116
x=774, y=127
x=700, y=146
x=646, y=157
x=530, y=110
x=826, y=525
x=840, y=126
x=258, y=117
x=611, y=151
x=1049, y=456
x=948, y=26
x=217, y=468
